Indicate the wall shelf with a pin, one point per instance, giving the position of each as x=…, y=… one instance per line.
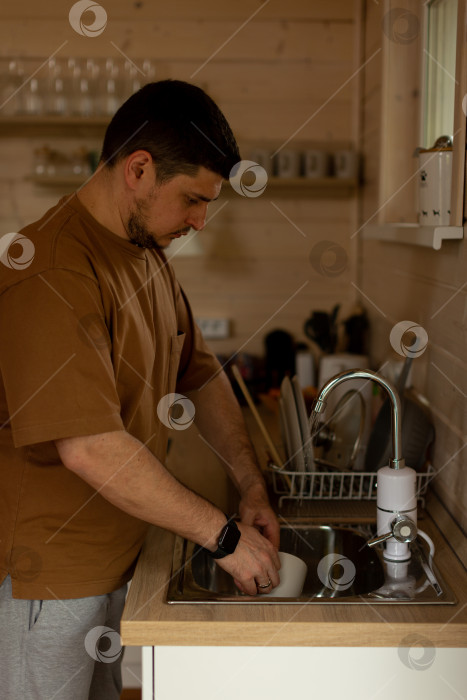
x=52, y=125
x=328, y=186
x=59, y=180
x=20, y=120
x=413, y=234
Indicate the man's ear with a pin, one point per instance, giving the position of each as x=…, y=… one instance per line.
x=139, y=170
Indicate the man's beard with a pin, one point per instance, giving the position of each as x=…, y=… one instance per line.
x=138, y=232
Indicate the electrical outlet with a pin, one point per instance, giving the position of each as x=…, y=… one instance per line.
x=214, y=328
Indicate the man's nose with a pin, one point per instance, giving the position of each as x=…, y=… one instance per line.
x=197, y=220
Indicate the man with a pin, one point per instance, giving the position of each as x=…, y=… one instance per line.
x=96, y=336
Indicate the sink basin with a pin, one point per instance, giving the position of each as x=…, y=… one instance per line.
x=356, y=564
x=341, y=569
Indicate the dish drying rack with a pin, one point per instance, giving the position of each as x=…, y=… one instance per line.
x=330, y=484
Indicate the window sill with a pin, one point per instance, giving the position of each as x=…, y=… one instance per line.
x=413, y=234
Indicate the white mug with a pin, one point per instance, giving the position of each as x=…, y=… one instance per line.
x=287, y=163
x=292, y=577
x=315, y=163
x=435, y=174
x=345, y=164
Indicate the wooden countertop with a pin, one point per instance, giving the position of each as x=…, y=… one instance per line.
x=149, y=620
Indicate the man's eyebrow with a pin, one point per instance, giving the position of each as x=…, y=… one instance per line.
x=203, y=198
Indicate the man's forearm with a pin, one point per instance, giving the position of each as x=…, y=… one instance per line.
x=128, y=475
x=220, y=421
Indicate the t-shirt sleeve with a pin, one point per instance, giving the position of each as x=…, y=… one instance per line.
x=55, y=359
x=198, y=364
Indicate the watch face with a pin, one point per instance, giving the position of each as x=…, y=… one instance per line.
x=229, y=537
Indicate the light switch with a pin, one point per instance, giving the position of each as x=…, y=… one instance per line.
x=214, y=328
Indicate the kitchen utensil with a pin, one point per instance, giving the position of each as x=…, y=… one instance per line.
x=304, y=364
x=321, y=328
x=346, y=427
x=291, y=423
x=329, y=366
x=280, y=357
x=356, y=327
x=416, y=428
x=304, y=425
x=285, y=435
x=271, y=447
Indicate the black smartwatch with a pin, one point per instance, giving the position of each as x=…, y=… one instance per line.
x=228, y=540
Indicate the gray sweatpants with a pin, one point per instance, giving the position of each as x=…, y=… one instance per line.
x=60, y=649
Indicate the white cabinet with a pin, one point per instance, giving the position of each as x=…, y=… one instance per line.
x=278, y=673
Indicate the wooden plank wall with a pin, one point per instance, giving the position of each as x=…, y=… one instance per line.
x=275, y=68
x=405, y=282
x=290, y=65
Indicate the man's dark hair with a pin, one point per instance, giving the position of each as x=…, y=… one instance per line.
x=178, y=124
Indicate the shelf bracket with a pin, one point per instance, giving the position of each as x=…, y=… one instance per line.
x=413, y=234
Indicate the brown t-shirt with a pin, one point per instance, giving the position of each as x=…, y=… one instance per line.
x=94, y=332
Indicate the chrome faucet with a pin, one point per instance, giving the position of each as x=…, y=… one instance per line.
x=396, y=483
x=396, y=462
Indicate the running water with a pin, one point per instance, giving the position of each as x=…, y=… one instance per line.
x=314, y=421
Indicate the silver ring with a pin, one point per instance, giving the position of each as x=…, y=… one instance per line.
x=264, y=585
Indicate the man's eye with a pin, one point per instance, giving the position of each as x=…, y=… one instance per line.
x=192, y=201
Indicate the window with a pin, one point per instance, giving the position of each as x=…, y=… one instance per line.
x=440, y=70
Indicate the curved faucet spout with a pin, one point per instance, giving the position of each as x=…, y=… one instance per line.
x=397, y=461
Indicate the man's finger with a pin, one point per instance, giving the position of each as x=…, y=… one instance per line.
x=272, y=533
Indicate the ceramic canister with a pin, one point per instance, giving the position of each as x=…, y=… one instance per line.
x=435, y=173
x=315, y=163
x=263, y=157
x=287, y=163
x=346, y=164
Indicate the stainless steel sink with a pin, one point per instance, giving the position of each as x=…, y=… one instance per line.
x=341, y=569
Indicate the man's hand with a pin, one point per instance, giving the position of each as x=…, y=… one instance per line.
x=255, y=510
x=254, y=562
